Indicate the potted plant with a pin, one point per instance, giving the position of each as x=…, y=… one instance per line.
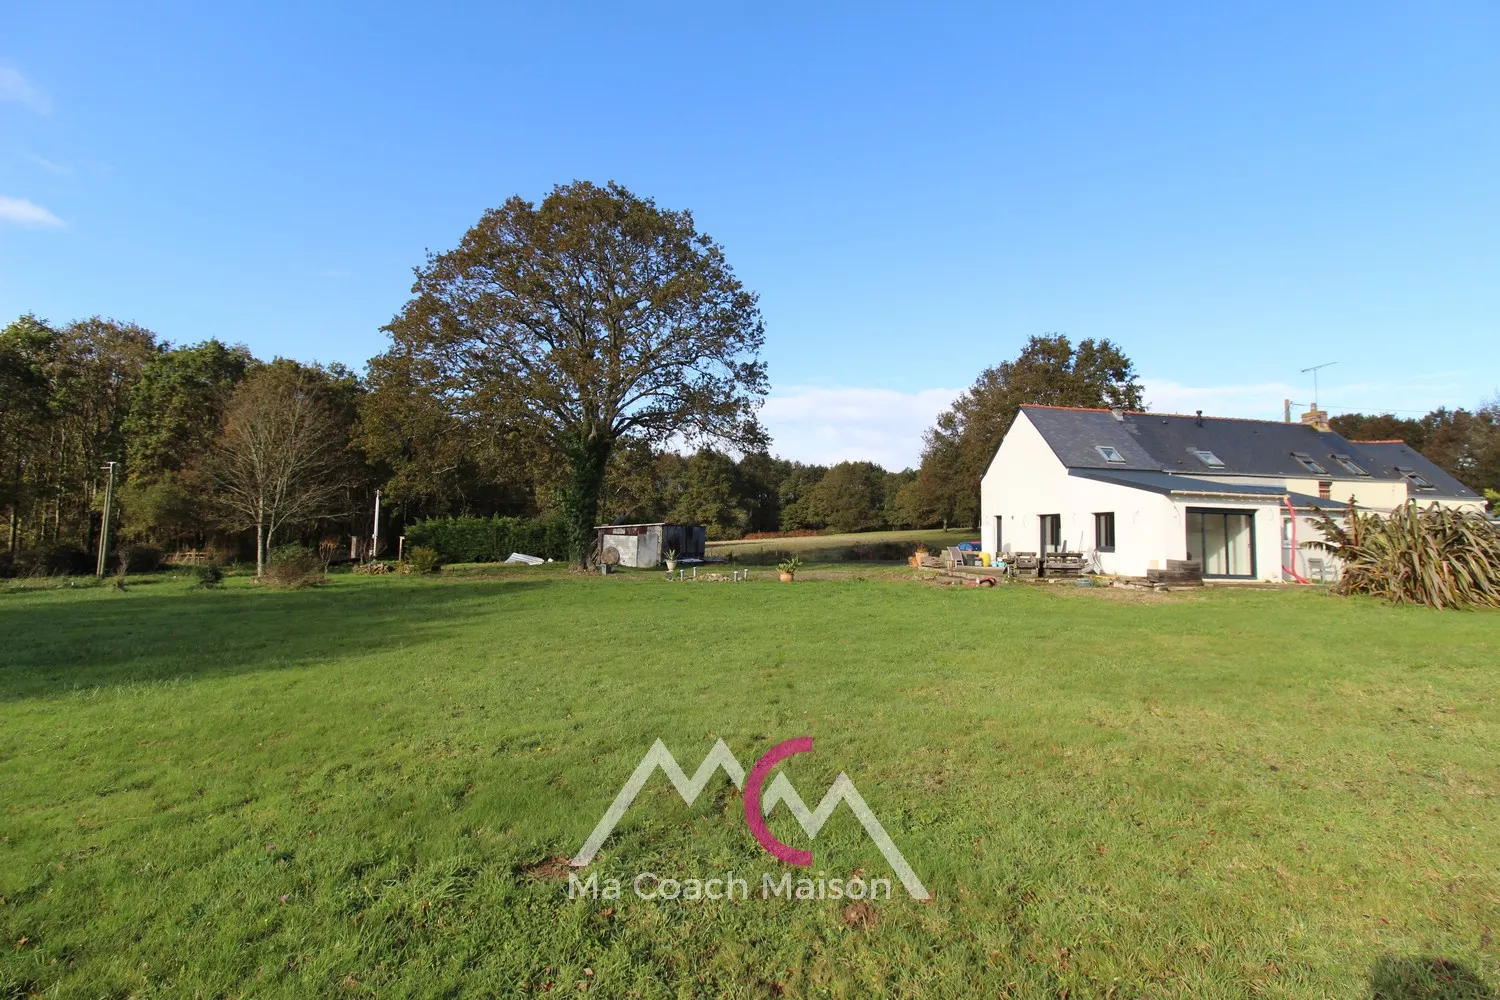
x=671, y=560
x=788, y=569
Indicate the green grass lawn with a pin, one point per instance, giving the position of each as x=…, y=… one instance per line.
x=362, y=789
x=864, y=545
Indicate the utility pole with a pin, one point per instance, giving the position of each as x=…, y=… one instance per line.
x=109, y=497
x=1286, y=411
x=375, y=533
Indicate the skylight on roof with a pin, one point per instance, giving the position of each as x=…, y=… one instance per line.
x=1350, y=464
x=1208, y=458
x=1110, y=454
x=1415, y=479
x=1309, y=463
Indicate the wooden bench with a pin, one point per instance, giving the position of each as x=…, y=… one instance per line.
x=1063, y=564
x=1024, y=563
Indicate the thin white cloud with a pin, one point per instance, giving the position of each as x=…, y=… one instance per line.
x=49, y=165
x=25, y=213
x=827, y=425
x=15, y=88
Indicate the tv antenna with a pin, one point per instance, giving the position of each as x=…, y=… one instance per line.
x=1314, y=370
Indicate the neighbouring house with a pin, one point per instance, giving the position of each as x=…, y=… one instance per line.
x=1130, y=491
x=647, y=545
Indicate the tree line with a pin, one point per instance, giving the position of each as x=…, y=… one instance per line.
x=216, y=448
x=590, y=358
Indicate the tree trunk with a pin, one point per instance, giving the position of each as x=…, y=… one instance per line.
x=579, y=495
x=260, y=544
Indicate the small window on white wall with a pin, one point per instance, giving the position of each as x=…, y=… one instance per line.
x=1104, y=531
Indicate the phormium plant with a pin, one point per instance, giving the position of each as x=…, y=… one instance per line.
x=1439, y=557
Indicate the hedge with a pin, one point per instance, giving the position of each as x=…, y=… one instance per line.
x=490, y=539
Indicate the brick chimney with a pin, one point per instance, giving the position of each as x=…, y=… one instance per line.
x=1317, y=418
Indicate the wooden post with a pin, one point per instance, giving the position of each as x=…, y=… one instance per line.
x=375, y=533
x=109, y=496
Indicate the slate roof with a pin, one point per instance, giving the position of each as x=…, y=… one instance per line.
x=1167, y=442
x=1391, y=454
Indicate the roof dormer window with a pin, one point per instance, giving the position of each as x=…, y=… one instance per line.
x=1111, y=455
x=1309, y=463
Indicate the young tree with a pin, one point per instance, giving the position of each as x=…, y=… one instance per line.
x=590, y=319
x=282, y=457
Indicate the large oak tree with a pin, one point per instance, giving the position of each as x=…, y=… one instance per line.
x=588, y=320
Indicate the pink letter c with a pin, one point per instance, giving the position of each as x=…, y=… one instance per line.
x=753, y=817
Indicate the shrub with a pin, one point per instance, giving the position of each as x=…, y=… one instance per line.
x=208, y=575
x=422, y=559
x=293, y=567
x=141, y=558
x=51, y=561
x=490, y=539
x=1437, y=557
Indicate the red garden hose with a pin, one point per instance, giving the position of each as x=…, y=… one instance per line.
x=1293, y=514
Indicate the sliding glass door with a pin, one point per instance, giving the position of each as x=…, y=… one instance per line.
x=1223, y=540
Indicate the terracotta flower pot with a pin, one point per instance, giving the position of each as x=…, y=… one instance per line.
x=787, y=577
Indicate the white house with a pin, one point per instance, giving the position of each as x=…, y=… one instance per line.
x=1131, y=490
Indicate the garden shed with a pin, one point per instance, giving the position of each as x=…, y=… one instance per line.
x=647, y=545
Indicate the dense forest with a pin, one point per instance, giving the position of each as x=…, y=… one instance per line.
x=212, y=447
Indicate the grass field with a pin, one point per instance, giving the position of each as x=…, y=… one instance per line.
x=364, y=789
x=866, y=546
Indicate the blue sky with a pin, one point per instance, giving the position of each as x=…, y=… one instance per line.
x=1231, y=192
